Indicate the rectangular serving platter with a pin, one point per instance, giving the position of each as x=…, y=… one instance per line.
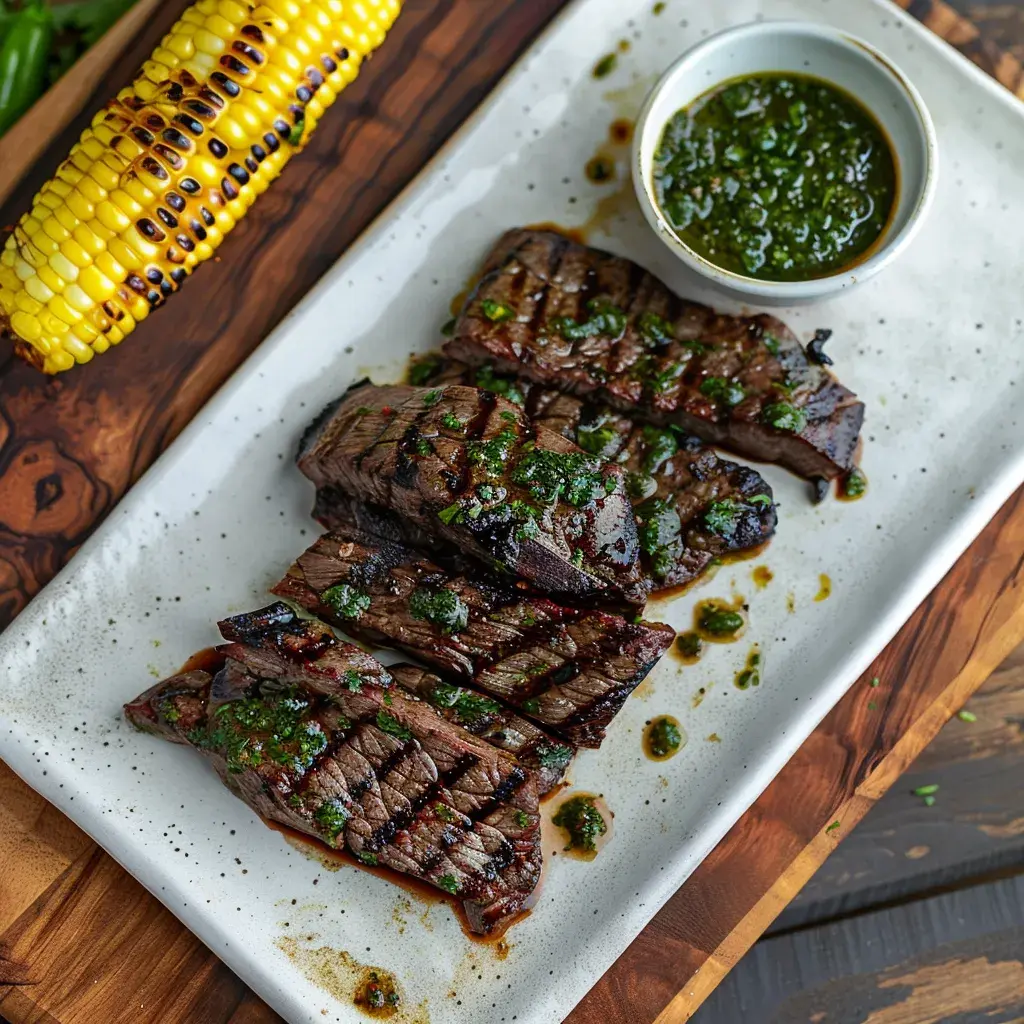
x=933, y=346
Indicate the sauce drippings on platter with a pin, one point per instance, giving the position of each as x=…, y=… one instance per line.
x=750, y=674
x=209, y=659
x=720, y=622
x=852, y=486
x=762, y=576
x=586, y=822
x=373, y=991
x=688, y=648
x=824, y=588
x=664, y=737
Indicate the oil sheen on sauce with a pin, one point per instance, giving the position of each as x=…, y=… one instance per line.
x=664, y=737
x=750, y=674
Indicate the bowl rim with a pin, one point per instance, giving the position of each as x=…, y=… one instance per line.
x=816, y=287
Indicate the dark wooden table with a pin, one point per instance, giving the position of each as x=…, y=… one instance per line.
x=81, y=942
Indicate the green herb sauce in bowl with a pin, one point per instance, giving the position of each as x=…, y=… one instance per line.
x=780, y=177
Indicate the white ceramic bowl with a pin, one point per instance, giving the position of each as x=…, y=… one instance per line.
x=826, y=53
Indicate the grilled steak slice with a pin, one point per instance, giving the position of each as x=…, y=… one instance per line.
x=313, y=733
x=570, y=670
x=590, y=323
x=468, y=467
x=693, y=506
x=492, y=721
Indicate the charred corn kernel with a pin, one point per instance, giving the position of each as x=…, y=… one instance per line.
x=170, y=165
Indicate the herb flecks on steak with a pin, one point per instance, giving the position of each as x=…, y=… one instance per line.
x=313, y=733
x=568, y=669
x=463, y=466
x=594, y=324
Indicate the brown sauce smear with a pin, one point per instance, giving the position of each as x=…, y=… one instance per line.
x=209, y=659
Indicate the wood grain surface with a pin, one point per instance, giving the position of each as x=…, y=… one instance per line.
x=81, y=941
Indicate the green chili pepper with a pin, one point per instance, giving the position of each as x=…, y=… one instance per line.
x=23, y=57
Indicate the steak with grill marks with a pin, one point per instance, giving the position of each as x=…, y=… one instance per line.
x=467, y=467
x=593, y=324
x=313, y=733
x=568, y=669
x=693, y=507
x=546, y=756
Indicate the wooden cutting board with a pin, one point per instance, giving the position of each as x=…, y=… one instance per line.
x=80, y=941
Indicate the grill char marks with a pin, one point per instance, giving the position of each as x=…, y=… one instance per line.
x=656, y=363
x=313, y=733
x=568, y=669
x=693, y=506
x=466, y=467
x=531, y=746
x=708, y=506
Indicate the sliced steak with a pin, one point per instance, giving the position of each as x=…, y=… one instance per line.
x=467, y=467
x=313, y=733
x=693, y=507
x=546, y=756
x=568, y=669
x=593, y=324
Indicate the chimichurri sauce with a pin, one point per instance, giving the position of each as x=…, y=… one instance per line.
x=780, y=177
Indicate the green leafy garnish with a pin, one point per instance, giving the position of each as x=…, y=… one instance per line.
x=444, y=608
x=346, y=601
x=449, y=883
x=389, y=724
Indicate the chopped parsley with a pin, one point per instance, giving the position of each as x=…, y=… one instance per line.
x=552, y=475
x=660, y=530
x=606, y=65
x=424, y=369
x=448, y=327
x=659, y=447
x=492, y=454
x=444, y=812
x=424, y=447
x=496, y=312
x=605, y=319
x=726, y=392
x=451, y=421
x=389, y=724
x=532, y=705
x=583, y=822
x=367, y=858
x=444, y=608
x=598, y=439
x=783, y=416
x=469, y=707
x=722, y=517
x=451, y=514
x=718, y=621
x=663, y=737
x=449, y=883
x=553, y=755
x=833, y=826
x=432, y=397
x=655, y=329
x=353, y=681
x=522, y=819
x=504, y=386
x=253, y=731
x=346, y=601
x=331, y=817
x=760, y=499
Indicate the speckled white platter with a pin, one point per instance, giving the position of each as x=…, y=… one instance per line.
x=934, y=347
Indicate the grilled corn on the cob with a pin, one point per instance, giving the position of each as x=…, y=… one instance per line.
x=167, y=168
